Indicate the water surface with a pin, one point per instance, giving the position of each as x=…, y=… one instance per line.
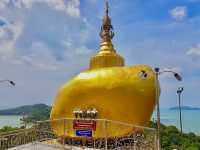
x=13, y=121
x=190, y=119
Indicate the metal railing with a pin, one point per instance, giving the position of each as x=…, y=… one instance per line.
x=93, y=134
x=16, y=138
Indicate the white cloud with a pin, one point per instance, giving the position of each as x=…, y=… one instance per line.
x=40, y=56
x=83, y=51
x=70, y=7
x=3, y=3
x=38, y=52
x=179, y=12
x=9, y=34
x=195, y=51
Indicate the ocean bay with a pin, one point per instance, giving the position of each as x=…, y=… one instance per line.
x=10, y=120
x=191, y=123
x=190, y=119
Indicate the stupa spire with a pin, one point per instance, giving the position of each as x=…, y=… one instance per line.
x=107, y=8
x=106, y=56
x=106, y=33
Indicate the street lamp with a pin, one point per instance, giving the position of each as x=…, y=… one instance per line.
x=158, y=72
x=179, y=91
x=9, y=81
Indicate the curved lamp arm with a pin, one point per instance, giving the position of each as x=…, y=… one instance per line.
x=176, y=75
x=9, y=81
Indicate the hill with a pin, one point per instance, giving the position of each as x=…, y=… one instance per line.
x=25, y=110
x=32, y=113
x=185, y=108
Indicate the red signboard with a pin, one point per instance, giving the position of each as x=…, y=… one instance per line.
x=84, y=124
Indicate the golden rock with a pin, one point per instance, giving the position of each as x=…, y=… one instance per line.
x=117, y=92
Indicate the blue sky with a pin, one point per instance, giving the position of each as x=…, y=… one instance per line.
x=44, y=43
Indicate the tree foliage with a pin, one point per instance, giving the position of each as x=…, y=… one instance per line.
x=7, y=129
x=37, y=115
x=25, y=110
x=171, y=138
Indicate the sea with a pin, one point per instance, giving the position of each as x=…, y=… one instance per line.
x=13, y=121
x=190, y=119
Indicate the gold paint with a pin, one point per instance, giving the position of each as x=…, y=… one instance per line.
x=118, y=93
x=115, y=91
x=107, y=56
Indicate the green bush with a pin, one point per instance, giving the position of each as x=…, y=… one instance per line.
x=171, y=138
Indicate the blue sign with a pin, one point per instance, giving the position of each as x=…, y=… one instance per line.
x=85, y=133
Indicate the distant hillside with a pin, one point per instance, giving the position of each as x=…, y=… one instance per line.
x=185, y=108
x=27, y=109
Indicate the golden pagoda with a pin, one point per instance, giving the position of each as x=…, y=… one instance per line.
x=107, y=56
x=107, y=90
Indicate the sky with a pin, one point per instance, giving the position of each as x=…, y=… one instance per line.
x=44, y=43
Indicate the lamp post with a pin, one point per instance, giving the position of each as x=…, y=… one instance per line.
x=9, y=81
x=158, y=72
x=179, y=91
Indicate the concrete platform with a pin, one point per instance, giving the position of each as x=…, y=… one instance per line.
x=43, y=146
